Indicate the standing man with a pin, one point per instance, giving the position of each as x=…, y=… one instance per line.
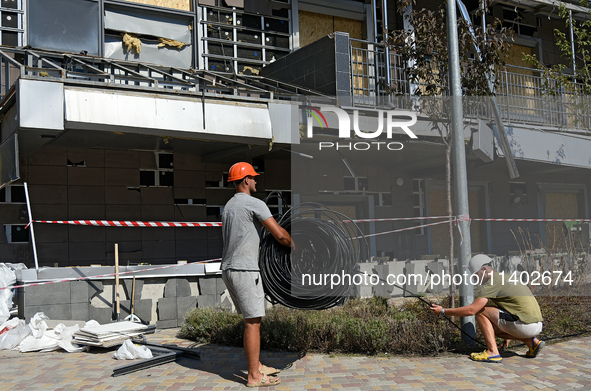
x=502, y=309
x=241, y=229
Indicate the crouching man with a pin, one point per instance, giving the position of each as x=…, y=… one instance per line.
x=502, y=309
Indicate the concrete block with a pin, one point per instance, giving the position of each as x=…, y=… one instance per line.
x=79, y=292
x=167, y=308
x=80, y=311
x=184, y=305
x=53, y=311
x=207, y=301
x=411, y=288
x=128, y=287
x=143, y=309
x=166, y=324
x=220, y=286
x=170, y=288
x=101, y=315
x=47, y=294
x=207, y=286
x=94, y=288
x=183, y=288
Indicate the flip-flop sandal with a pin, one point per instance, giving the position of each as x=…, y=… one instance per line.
x=266, y=381
x=484, y=357
x=269, y=370
x=533, y=353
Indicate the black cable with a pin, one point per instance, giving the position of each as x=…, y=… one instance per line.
x=326, y=243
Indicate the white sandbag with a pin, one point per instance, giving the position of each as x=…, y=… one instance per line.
x=7, y=278
x=32, y=344
x=14, y=337
x=38, y=324
x=11, y=324
x=130, y=351
x=63, y=336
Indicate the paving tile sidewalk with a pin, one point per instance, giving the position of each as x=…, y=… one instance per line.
x=561, y=366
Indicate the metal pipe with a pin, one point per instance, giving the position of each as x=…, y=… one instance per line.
x=501, y=135
x=31, y=227
x=572, y=40
x=459, y=164
x=385, y=39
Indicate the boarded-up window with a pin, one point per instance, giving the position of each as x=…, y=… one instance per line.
x=314, y=26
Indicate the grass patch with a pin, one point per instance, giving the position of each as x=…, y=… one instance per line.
x=371, y=326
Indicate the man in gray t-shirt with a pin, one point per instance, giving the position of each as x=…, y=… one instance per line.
x=242, y=221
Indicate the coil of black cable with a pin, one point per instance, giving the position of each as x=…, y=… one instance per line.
x=327, y=244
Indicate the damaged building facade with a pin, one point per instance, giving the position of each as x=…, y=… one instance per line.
x=135, y=110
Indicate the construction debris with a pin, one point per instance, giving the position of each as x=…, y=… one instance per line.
x=131, y=351
x=131, y=41
x=171, y=43
x=112, y=334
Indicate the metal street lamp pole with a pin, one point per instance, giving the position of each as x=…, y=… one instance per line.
x=459, y=165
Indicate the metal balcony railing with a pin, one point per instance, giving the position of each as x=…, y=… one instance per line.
x=523, y=95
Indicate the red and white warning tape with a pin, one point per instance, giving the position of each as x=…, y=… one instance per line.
x=114, y=223
x=534, y=220
x=107, y=275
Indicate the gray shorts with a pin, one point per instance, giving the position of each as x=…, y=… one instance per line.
x=246, y=291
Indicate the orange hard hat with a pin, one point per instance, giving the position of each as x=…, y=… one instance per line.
x=240, y=170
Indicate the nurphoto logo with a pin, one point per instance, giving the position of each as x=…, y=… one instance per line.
x=386, y=119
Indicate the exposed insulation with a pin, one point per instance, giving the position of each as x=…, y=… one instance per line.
x=132, y=42
x=171, y=43
x=185, y=5
x=314, y=26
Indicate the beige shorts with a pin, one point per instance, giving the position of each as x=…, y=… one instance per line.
x=517, y=328
x=246, y=291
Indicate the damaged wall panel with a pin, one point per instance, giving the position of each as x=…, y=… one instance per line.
x=164, y=26
x=64, y=25
x=143, y=36
x=184, y=5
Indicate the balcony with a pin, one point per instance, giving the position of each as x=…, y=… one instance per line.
x=522, y=94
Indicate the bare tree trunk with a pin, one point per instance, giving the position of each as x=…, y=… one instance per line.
x=452, y=288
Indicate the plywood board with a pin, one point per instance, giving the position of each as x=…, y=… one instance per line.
x=185, y=5
x=314, y=26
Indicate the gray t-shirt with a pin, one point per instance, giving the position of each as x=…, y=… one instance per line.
x=241, y=230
